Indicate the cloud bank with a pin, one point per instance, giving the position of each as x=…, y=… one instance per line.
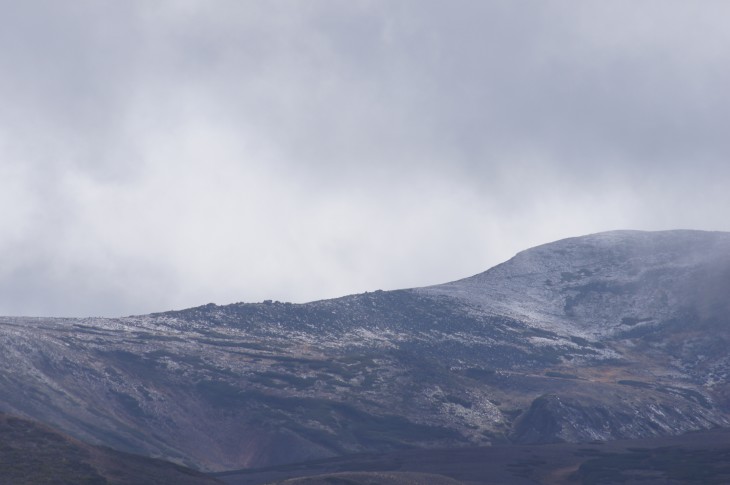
x=158, y=155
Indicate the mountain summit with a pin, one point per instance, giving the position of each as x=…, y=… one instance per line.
x=614, y=335
x=589, y=285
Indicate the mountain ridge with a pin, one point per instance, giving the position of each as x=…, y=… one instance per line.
x=598, y=337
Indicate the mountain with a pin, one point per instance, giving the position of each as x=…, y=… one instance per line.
x=34, y=454
x=610, y=336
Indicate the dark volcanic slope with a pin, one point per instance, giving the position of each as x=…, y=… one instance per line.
x=372, y=478
x=699, y=458
x=31, y=453
x=615, y=335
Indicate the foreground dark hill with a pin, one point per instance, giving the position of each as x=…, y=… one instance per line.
x=371, y=478
x=699, y=458
x=610, y=336
x=34, y=454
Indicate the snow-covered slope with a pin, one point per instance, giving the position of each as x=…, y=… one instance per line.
x=598, y=285
x=614, y=335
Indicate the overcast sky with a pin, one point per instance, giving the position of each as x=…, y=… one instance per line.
x=166, y=154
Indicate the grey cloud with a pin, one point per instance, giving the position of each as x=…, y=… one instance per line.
x=295, y=150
